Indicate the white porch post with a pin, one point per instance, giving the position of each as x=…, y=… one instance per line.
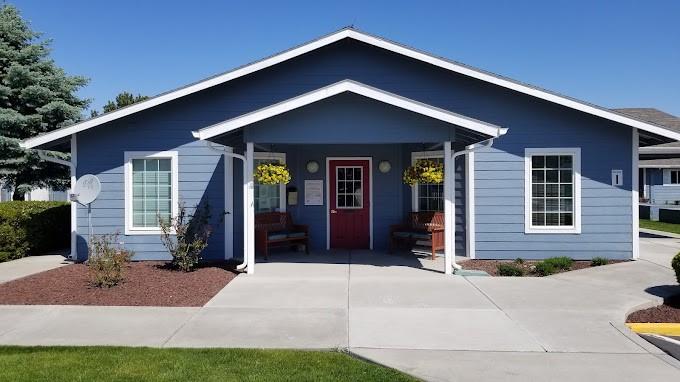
x=228, y=204
x=449, y=209
x=74, y=205
x=249, y=208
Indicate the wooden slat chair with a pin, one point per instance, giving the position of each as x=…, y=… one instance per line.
x=276, y=229
x=424, y=226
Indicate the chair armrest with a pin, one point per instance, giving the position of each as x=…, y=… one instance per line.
x=300, y=227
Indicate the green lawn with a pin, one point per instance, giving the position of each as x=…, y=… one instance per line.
x=147, y=364
x=660, y=226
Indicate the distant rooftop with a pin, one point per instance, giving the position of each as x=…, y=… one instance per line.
x=655, y=116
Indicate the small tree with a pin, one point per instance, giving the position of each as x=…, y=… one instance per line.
x=186, y=236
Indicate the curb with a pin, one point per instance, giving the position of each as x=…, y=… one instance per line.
x=665, y=329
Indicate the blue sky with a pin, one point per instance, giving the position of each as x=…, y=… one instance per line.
x=619, y=53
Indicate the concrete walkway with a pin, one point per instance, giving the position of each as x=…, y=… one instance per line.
x=403, y=312
x=16, y=269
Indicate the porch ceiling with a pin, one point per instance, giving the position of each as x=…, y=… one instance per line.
x=466, y=130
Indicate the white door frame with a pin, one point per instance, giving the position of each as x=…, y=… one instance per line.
x=370, y=198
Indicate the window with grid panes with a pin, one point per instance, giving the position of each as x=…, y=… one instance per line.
x=431, y=196
x=552, y=190
x=151, y=191
x=349, y=187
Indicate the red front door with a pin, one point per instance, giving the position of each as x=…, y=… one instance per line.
x=349, y=203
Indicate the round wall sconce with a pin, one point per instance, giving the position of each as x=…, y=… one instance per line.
x=312, y=166
x=384, y=166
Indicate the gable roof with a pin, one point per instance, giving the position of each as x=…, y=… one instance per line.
x=352, y=33
x=350, y=87
x=660, y=118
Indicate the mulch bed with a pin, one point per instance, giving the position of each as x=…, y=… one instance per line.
x=669, y=312
x=491, y=266
x=148, y=283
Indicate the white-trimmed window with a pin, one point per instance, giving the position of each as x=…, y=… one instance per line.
x=552, y=190
x=428, y=197
x=269, y=197
x=151, y=190
x=671, y=177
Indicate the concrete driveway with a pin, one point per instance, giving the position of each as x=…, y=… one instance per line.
x=402, y=312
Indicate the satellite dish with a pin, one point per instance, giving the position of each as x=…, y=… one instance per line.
x=87, y=189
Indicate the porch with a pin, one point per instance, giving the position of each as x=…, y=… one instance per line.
x=346, y=146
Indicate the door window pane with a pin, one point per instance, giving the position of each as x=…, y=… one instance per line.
x=349, y=182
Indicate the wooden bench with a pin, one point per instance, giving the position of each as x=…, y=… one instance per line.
x=276, y=229
x=424, y=227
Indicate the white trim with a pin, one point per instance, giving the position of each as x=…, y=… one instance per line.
x=356, y=88
x=281, y=157
x=371, y=40
x=660, y=150
x=668, y=166
x=415, y=156
x=635, y=194
x=249, y=208
x=449, y=209
x=228, y=203
x=470, y=205
x=74, y=205
x=576, y=153
x=174, y=167
x=370, y=198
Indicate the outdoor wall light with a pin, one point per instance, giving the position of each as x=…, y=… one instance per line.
x=384, y=166
x=312, y=166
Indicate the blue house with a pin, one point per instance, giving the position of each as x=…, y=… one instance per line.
x=659, y=164
x=527, y=172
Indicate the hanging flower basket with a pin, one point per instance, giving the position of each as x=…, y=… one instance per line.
x=424, y=171
x=272, y=173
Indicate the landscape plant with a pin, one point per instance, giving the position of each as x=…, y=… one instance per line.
x=544, y=268
x=272, y=173
x=186, y=236
x=675, y=263
x=32, y=228
x=107, y=260
x=510, y=270
x=598, y=261
x=561, y=263
x=425, y=171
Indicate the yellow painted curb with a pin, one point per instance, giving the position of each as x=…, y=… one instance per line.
x=666, y=329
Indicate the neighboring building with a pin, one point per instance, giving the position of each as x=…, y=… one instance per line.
x=559, y=180
x=46, y=194
x=659, y=164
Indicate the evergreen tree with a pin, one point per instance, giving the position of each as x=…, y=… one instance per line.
x=123, y=99
x=36, y=96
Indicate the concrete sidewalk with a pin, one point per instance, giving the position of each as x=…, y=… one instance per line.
x=403, y=312
x=16, y=269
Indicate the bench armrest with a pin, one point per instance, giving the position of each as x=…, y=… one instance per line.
x=300, y=228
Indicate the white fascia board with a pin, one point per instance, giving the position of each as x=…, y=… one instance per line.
x=659, y=150
x=356, y=88
x=372, y=40
x=658, y=166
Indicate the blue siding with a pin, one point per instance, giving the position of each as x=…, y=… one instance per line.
x=660, y=193
x=499, y=172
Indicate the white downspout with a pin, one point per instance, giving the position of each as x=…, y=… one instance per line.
x=226, y=153
x=72, y=164
x=470, y=149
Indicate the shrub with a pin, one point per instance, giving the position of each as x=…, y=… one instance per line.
x=675, y=263
x=519, y=260
x=509, y=270
x=106, y=262
x=597, y=261
x=563, y=263
x=186, y=236
x=33, y=227
x=544, y=268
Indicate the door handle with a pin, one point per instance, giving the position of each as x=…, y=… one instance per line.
x=334, y=211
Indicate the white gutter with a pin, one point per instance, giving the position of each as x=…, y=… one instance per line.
x=226, y=153
x=470, y=149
